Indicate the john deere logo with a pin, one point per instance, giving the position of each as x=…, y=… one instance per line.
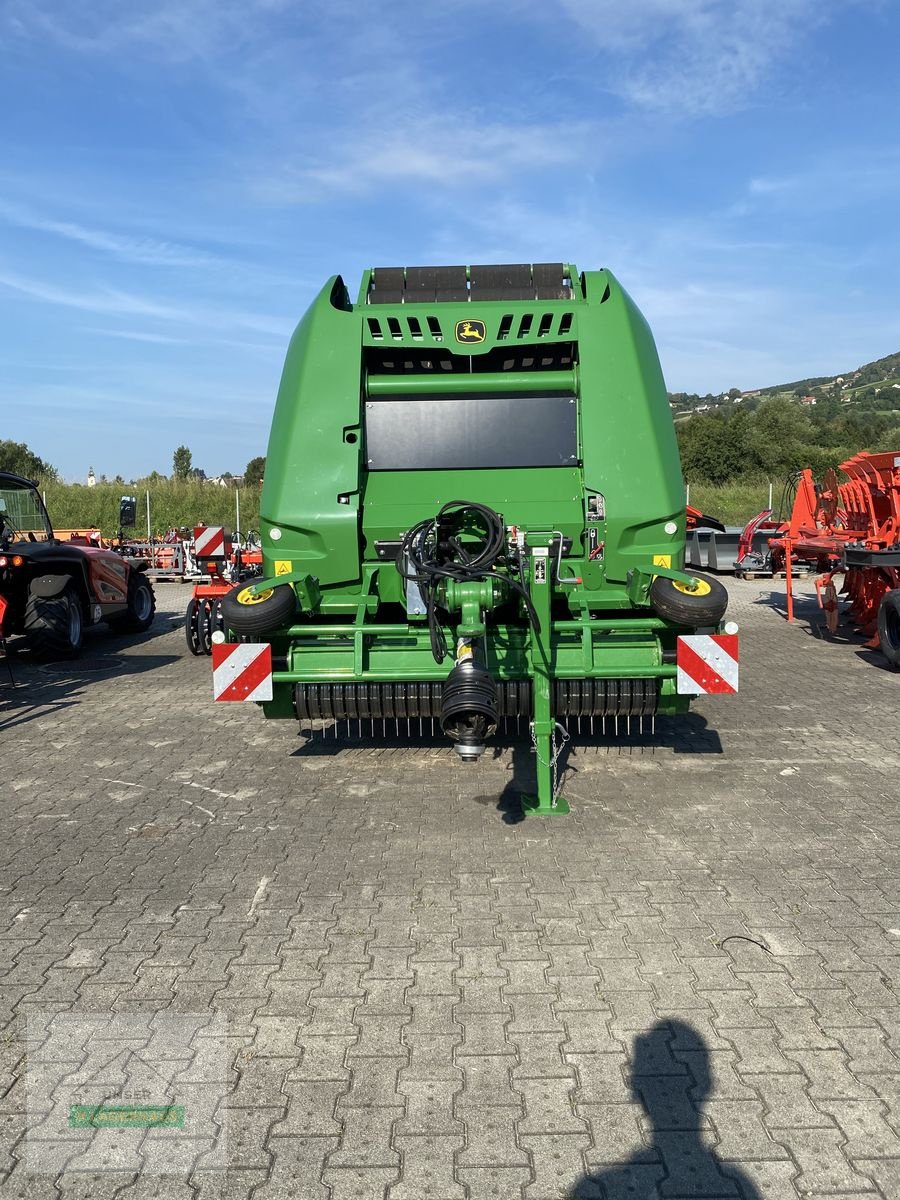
x=470, y=331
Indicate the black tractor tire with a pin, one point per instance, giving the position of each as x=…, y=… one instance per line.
x=889, y=626
x=272, y=609
x=205, y=628
x=141, y=606
x=54, y=625
x=190, y=630
x=674, y=602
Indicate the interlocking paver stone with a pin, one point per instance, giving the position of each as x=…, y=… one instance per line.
x=426, y=1001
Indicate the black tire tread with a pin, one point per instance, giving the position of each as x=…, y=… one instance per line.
x=47, y=626
x=279, y=610
x=190, y=630
x=684, y=609
x=128, y=621
x=889, y=626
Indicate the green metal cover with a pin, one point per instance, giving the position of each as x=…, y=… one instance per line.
x=330, y=510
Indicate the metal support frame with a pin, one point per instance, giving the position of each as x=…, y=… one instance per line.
x=543, y=723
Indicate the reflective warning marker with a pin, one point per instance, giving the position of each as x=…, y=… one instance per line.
x=707, y=664
x=242, y=671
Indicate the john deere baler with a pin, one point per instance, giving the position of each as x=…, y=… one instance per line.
x=473, y=511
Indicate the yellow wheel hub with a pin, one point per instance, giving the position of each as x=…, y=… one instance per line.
x=700, y=587
x=245, y=596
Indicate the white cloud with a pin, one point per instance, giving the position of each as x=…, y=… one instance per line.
x=142, y=250
x=694, y=57
x=174, y=29
x=113, y=302
x=134, y=335
x=432, y=151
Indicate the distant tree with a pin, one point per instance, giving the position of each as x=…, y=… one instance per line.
x=703, y=441
x=254, y=471
x=17, y=458
x=778, y=437
x=181, y=463
x=196, y=473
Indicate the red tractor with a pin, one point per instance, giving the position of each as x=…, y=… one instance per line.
x=51, y=590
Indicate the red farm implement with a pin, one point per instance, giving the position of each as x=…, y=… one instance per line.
x=850, y=529
x=221, y=566
x=695, y=519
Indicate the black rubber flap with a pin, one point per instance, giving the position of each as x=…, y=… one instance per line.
x=459, y=432
x=501, y=275
x=549, y=282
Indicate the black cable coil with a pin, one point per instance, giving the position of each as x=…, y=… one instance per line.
x=433, y=550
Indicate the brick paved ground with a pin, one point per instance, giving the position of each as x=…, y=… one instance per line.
x=686, y=988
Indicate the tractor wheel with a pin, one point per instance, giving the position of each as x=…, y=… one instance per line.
x=141, y=606
x=703, y=605
x=54, y=625
x=889, y=626
x=204, y=628
x=190, y=630
x=245, y=613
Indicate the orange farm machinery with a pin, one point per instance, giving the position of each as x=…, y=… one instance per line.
x=849, y=528
x=221, y=564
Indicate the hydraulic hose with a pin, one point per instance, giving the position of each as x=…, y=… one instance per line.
x=432, y=551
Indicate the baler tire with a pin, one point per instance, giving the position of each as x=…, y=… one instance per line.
x=673, y=602
x=141, y=606
x=190, y=630
x=54, y=625
x=272, y=609
x=889, y=626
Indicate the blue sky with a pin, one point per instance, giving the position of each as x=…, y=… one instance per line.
x=179, y=177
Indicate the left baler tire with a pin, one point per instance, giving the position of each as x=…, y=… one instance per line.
x=889, y=626
x=271, y=609
x=674, y=601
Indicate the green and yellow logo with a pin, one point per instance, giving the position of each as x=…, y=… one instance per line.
x=470, y=331
x=126, y=1116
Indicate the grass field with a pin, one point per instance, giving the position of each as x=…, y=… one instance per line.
x=172, y=502
x=74, y=506
x=735, y=503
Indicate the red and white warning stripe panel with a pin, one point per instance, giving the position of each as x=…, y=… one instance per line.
x=209, y=542
x=707, y=664
x=242, y=671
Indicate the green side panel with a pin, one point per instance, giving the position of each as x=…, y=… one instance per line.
x=314, y=447
x=545, y=499
x=628, y=438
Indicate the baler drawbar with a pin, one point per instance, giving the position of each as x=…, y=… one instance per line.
x=473, y=512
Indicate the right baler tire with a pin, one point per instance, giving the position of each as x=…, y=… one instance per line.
x=697, y=610
x=889, y=626
x=272, y=609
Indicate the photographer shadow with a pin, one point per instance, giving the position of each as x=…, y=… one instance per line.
x=676, y=1160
